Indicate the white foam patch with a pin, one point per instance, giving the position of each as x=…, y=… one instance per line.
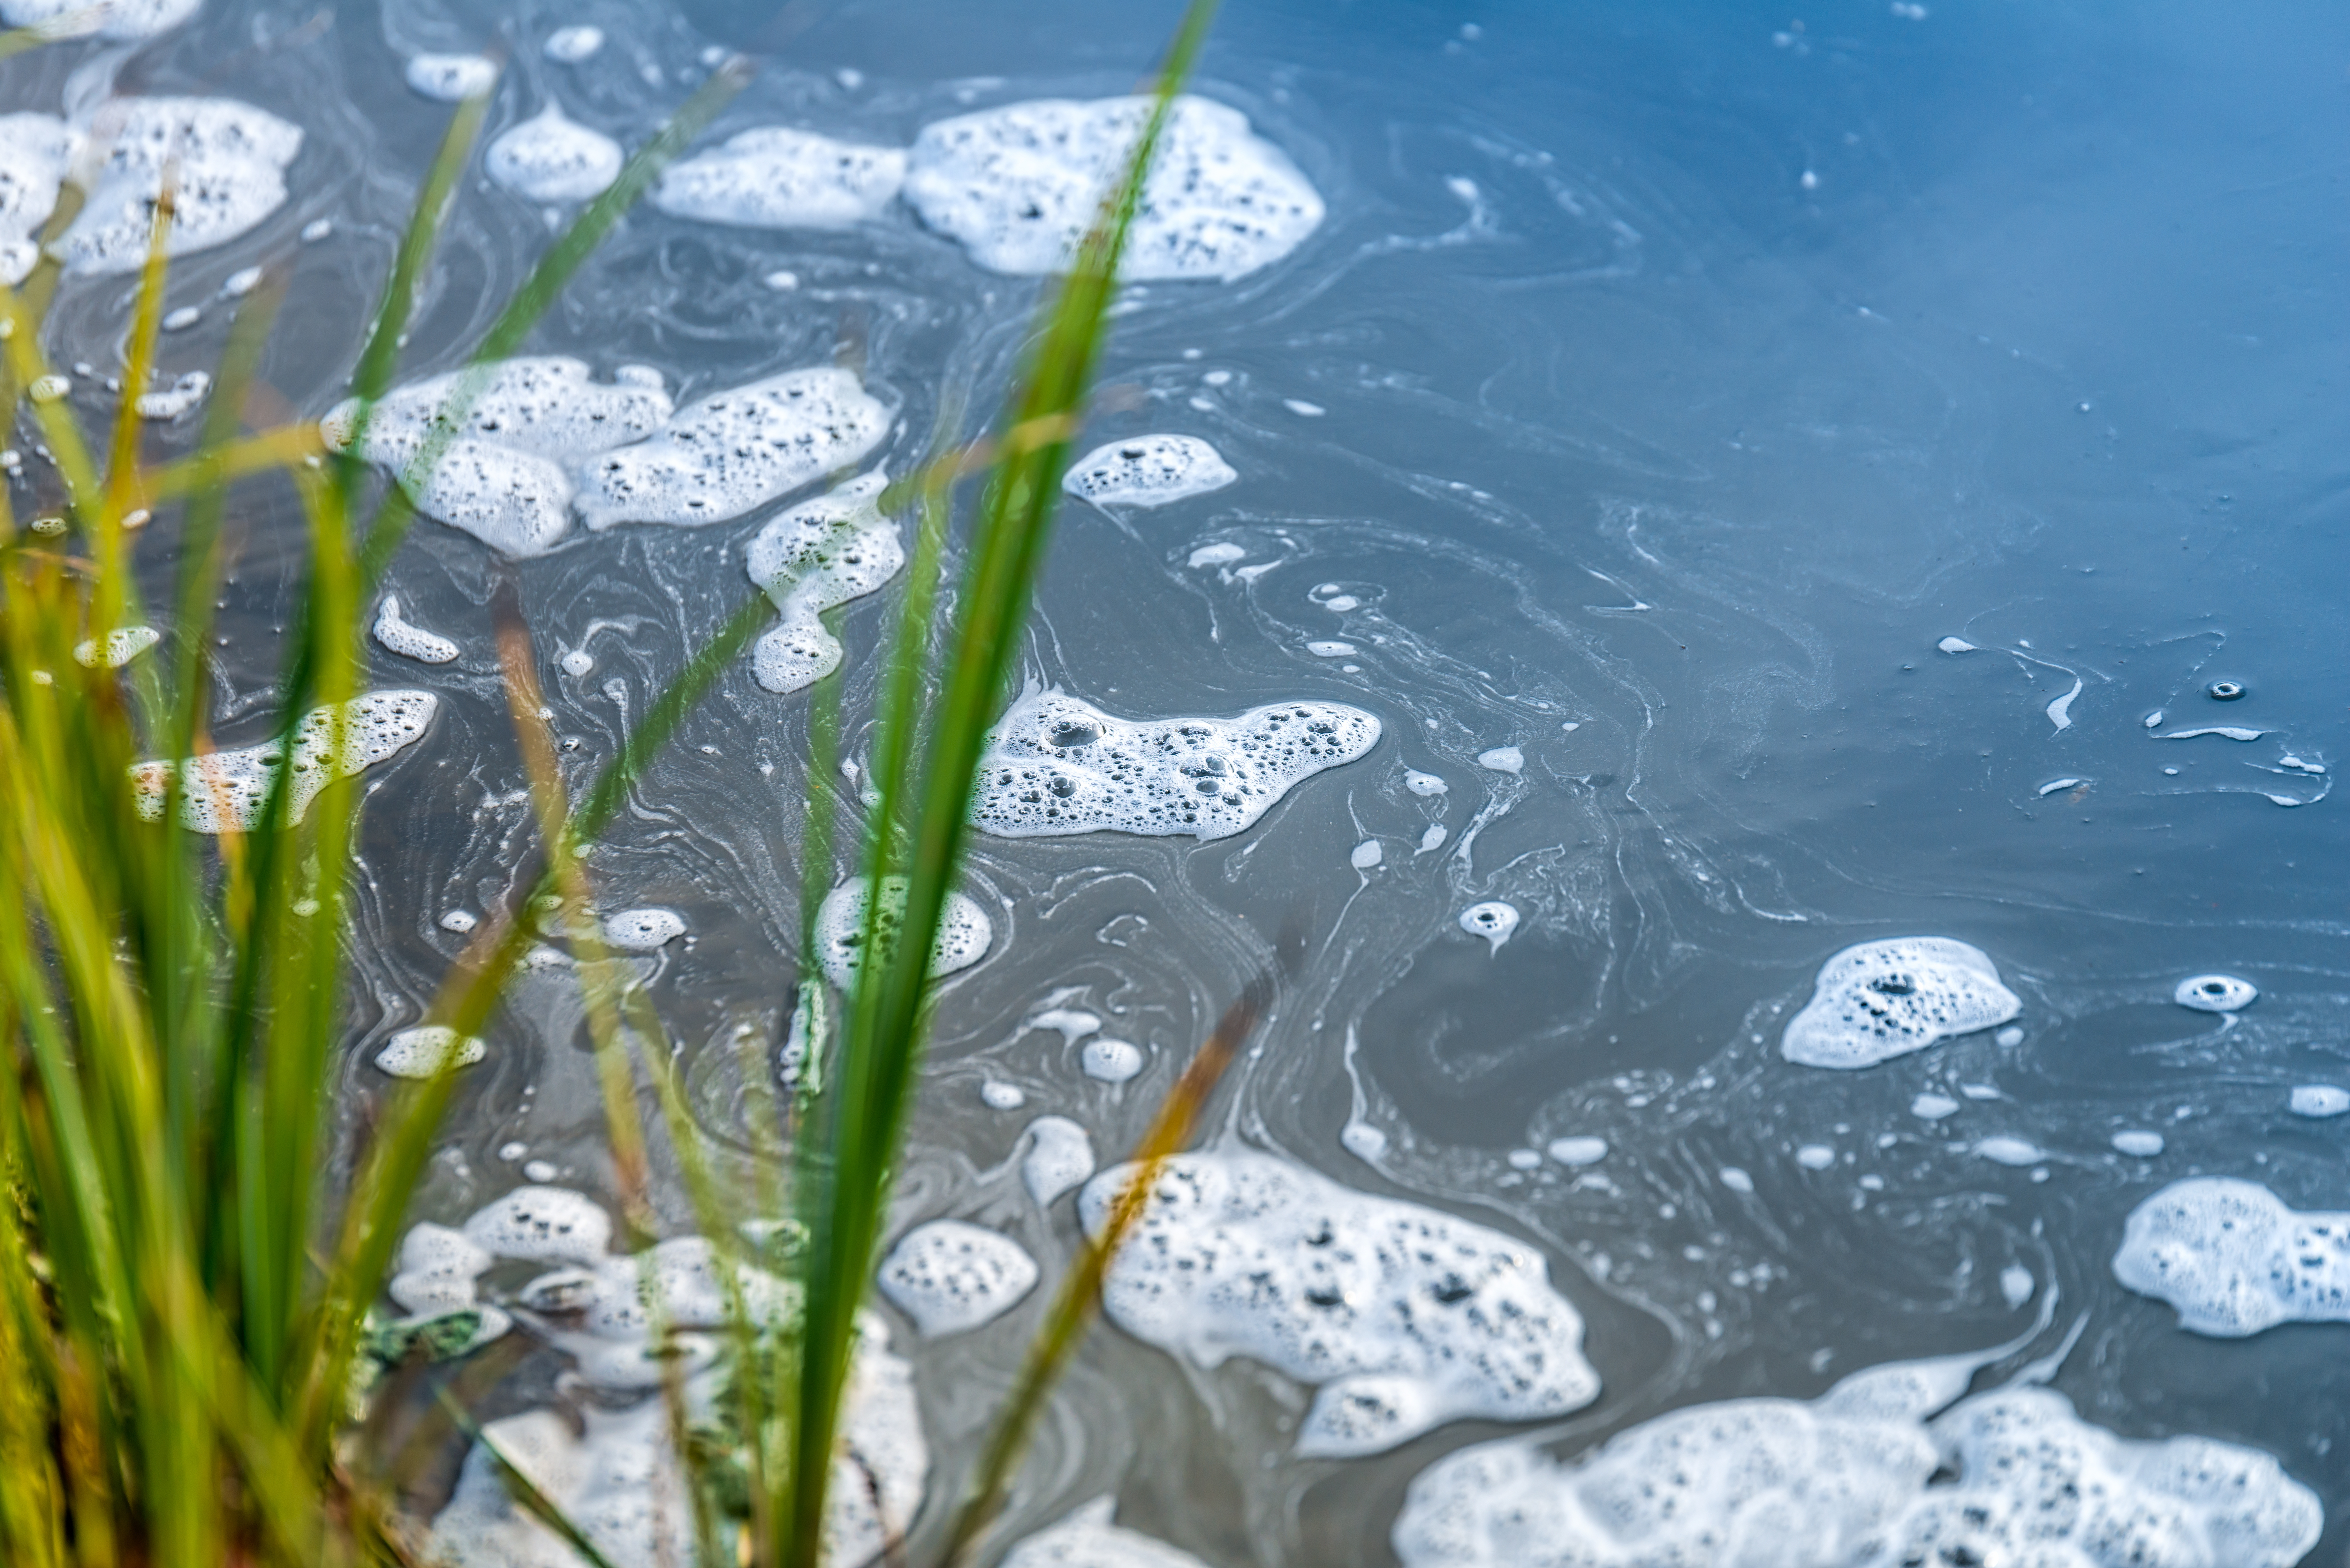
x=2319, y=1101
x=410, y=641
x=436, y=1271
x=419, y=1053
x=1495, y=921
x=503, y=474
x=1882, y=1000
x=950, y=1277
x=1955, y=645
x=964, y=930
x=1020, y=186
x=1110, y=1061
x=451, y=78
x=736, y=449
x=2003, y=1149
x=1576, y=1152
x=2234, y=1260
x=1858, y=1477
x=550, y=159
x=643, y=930
x=777, y=177
x=1405, y=1317
x=228, y=163
x=123, y=644
x=34, y=151
x=2215, y=993
x=2138, y=1143
x=1365, y=855
x=542, y=1224
x=117, y=21
x=1220, y=554
x=1087, y=1539
x=1147, y=470
x=1055, y=765
x=1424, y=784
x=225, y=789
x=1060, y=1157
x=816, y=557
x=569, y=46
x=1502, y=760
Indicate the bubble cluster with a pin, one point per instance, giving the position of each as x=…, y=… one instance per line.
x=736, y=449
x=1088, y=1539
x=2233, y=1259
x=1861, y=1477
x=226, y=790
x=815, y=557
x=410, y=641
x=1055, y=765
x=1018, y=186
x=549, y=158
x=950, y=1277
x=1147, y=470
x=1110, y=1061
x=1405, y=1317
x=643, y=930
x=34, y=151
x=123, y=644
x=419, y=1053
x=777, y=177
x=451, y=78
x=964, y=930
x=1882, y=1000
x=227, y=161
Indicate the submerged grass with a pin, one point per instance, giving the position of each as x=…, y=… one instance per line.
x=186, y=1341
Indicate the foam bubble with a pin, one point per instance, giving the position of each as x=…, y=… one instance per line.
x=437, y=1270
x=777, y=177
x=1110, y=1061
x=1858, y=1476
x=34, y=150
x=1933, y=1108
x=549, y=159
x=2215, y=993
x=736, y=449
x=123, y=644
x=2319, y=1100
x=2142, y=1145
x=1405, y=1317
x=1955, y=645
x=569, y=46
x=2233, y=1259
x=1147, y=470
x=1502, y=760
x=1423, y=783
x=1736, y=1180
x=418, y=1053
x=999, y=1095
x=1060, y=1157
x=1495, y=921
x=1087, y=1539
x=1816, y=1156
x=176, y=401
x=1576, y=1152
x=643, y=930
x=1055, y=765
x=225, y=789
x=2015, y=1285
x=451, y=78
x=542, y=1224
x=410, y=641
x=2003, y=1149
x=1215, y=556
x=1071, y=1024
x=1019, y=186
x=1366, y=854
x=950, y=1277
x=1330, y=648
x=816, y=557
x=228, y=163
x=117, y=21
x=1432, y=840
x=964, y=931
x=1882, y=1000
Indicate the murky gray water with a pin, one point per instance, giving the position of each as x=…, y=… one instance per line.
x=1678, y=382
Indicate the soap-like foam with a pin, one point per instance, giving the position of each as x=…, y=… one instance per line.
x=542, y=1224
x=2216, y=994
x=950, y=1277
x=1502, y=760
x=1858, y=1477
x=1147, y=470
x=2319, y=1101
x=569, y=46
x=418, y=1053
x=1088, y=1539
x=2139, y=1144
x=410, y=641
x=777, y=177
x=436, y=1271
x=116, y=21
x=123, y=644
x=1055, y=765
x=2004, y=1149
x=34, y=151
x=451, y=78
x=1576, y=1152
x=1495, y=921
x=964, y=929
x=816, y=557
x=736, y=449
x=643, y=930
x=1019, y=186
x=2234, y=1260
x=550, y=159
x=1882, y=1000
x=1110, y=1061
x=175, y=401
x=1060, y=1158
x=225, y=789
x=228, y=161
x=1406, y=1317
